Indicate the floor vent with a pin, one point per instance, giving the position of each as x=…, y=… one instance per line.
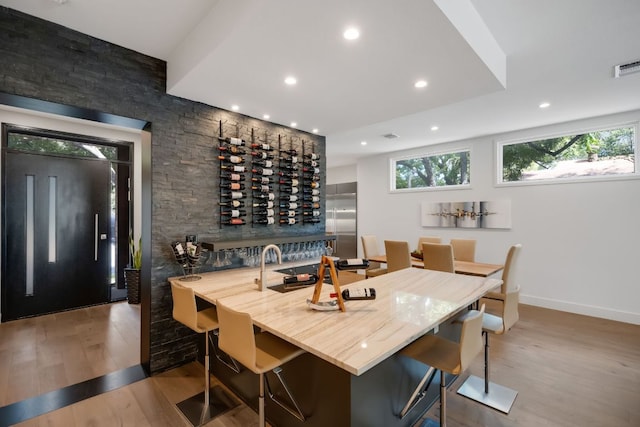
x=625, y=69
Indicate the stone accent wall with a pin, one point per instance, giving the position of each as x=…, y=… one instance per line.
x=49, y=62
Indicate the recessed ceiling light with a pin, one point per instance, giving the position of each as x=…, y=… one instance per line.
x=293, y=124
x=290, y=80
x=420, y=84
x=235, y=107
x=363, y=143
x=434, y=128
x=266, y=116
x=351, y=33
x=315, y=130
x=544, y=105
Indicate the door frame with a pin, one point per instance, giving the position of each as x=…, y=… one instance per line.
x=145, y=127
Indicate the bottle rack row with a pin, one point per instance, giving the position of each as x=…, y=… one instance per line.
x=266, y=183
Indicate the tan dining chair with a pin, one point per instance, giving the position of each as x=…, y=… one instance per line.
x=398, y=255
x=508, y=274
x=428, y=239
x=438, y=257
x=464, y=249
x=484, y=391
x=200, y=408
x=370, y=248
x=259, y=352
x=445, y=356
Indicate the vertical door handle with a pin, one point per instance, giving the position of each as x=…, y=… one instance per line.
x=95, y=238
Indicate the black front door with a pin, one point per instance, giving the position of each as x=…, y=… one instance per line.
x=56, y=230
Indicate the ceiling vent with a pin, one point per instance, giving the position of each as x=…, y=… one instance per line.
x=390, y=136
x=625, y=69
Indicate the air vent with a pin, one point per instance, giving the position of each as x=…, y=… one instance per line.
x=625, y=69
x=390, y=136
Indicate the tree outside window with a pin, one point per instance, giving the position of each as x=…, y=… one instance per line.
x=438, y=170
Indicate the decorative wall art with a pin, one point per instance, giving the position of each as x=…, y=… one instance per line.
x=494, y=214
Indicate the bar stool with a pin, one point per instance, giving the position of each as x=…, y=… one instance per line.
x=260, y=353
x=445, y=356
x=508, y=274
x=490, y=394
x=438, y=257
x=370, y=248
x=398, y=255
x=200, y=408
x=464, y=249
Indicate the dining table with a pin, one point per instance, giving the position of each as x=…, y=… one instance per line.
x=461, y=267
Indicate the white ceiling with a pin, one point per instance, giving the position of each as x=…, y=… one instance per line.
x=489, y=63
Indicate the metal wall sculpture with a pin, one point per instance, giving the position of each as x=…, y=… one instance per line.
x=481, y=214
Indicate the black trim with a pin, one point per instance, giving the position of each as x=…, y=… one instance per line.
x=47, y=402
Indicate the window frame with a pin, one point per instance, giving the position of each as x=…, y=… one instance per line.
x=430, y=153
x=499, y=144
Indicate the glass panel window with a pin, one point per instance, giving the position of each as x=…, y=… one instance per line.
x=431, y=170
x=591, y=154
x=63, y=146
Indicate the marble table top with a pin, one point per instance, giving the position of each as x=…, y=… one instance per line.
x=408, y=304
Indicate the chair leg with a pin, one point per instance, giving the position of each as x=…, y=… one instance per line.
x=261, y=401
x=486, y=362
x=443, y=400
x=419, y=392
x=297, y=412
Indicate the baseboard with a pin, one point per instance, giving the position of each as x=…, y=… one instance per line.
x=587, y=310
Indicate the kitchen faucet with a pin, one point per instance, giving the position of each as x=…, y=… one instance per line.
x=261, y=283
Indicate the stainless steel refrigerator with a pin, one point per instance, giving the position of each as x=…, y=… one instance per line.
x=342, y=219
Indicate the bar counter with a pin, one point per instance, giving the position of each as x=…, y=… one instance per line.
x=351, y=374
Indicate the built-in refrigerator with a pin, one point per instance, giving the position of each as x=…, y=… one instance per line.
x=341, y=219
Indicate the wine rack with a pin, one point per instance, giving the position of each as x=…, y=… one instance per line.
x=266, y=183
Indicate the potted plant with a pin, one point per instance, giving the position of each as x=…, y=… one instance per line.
x=132, y=273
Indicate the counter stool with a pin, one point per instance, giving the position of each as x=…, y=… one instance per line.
x=488, y=393
x=438, y=257
x=370, y=248
x=200, y=408
x=445, y=356
x=398, y=255
x=260, y=353
x=508, y=274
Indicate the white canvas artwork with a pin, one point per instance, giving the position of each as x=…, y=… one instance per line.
x=493, y=214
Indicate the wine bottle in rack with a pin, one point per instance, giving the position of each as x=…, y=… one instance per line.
x=310, y=170
x=265, y=196
x=232, y=176
x=233, y=168
x=292, y=182
x=289, y=174
x=310, y=220
x=289, y=160
x=290, y=152
x=233, y=221
x=262, y=188
x=311, y=191
x=233, y=195
x=312, y=156
x=289, y=213
x=268, y=220
x=233, y=185
x=263, y=147
x=262, y=171
x=232, y=159
x=268, y=205
x=234, y=213
x=262, y=155
x=264, y=212
x=290, y=205
x=234, y=141
x=310, y=177
x=311, y=213
x=314, y=184
x=262, y=179
x=288, y=189
x=289, y=166
x=311, y=205
x=233, y=149
x=233, y=204
x=290, y=221
x=309, y=198
x=289, y=198
x=311, y=163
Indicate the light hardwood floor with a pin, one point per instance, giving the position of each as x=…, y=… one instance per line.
x=569, y=370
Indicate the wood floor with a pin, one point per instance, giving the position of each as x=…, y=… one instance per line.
x=569, y=370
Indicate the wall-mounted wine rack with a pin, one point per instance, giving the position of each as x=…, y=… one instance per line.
x=266, y=183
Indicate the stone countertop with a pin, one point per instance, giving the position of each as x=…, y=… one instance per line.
x=408, y=304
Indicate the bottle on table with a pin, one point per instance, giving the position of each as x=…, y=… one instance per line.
x=356, y=294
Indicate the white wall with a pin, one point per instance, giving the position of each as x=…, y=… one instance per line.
x=580, y=240
x=341, y=174
x=17, y=116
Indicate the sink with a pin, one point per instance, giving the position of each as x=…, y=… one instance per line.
x=301, y=269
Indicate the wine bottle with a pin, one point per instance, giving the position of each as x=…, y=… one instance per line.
x=268, y=205
x=300, y=279
x=289, y=190
x=179, y=252
x=233, y=221
x=292, y=205
x=312, y=191
x=263, y=163
x=289, y=174
x=356, y=294
x=233, y=168
x=312, y=156
x=268, y=196
x=311, y=213
x=311, y=163
x=262, y=179
x=289, y=166
x=232, y=176
x=289, y=198
x=314, y=184
x=293, y=182
x=232, y=159
x=289, y=213
x=232, y=149
x=235, y=141
x=311, y=170
x=310, y=177
x=265, y=212
x=262, y=171
x=310, y=198
x=264, y=188
x=266, y=220
x=289, y=221
x=264, y=147
x=311, y=205
x=233, y=204
x=289, y=160
x=290, y=152
x=310, y=220
x=233, y=195
x=235, y=186
x=352, y=263
x=234, y=213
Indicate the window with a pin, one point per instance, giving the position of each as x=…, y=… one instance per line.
x=592, y=154
x=433, y=170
